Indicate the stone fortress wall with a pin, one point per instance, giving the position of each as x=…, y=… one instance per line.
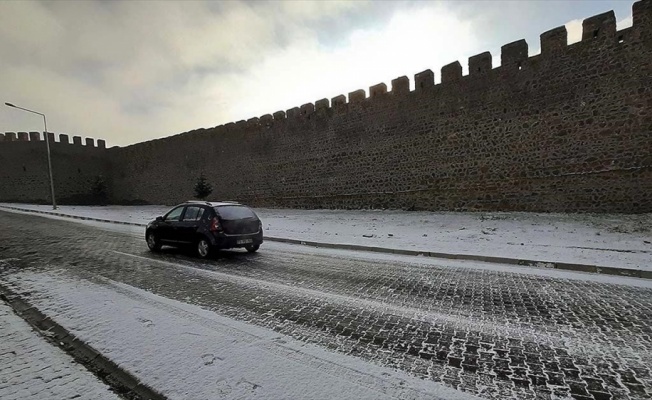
x=569, y=129
x=24, y=167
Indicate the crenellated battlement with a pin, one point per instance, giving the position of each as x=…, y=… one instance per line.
x=307, y=109
x=423, y=80
x=357, y=96
x=321, y=104
x=597, y=30
x=642, y=14
x=338, y=101
x=554, y=40
x=602, y=26
x=63, y=139
x=480, y=65
x=377, y=90
x=401, y=85
x=512, y=55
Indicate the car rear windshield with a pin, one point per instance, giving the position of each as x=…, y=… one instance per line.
x=234, y=212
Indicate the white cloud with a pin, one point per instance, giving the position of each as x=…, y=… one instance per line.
x=132, y=71
x=574, y=29
x=625, y=23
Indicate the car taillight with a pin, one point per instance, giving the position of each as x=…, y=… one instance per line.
x=215, y=225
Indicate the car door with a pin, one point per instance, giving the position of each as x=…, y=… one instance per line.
x=190, y=223
x=169, y=227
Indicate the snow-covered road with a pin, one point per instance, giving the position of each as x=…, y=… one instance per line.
x=610, y=240
x=187, y=352
x=494, y=331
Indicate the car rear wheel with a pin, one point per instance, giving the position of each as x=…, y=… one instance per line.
x=203, y=248
x=252, y=248
x=153, y=242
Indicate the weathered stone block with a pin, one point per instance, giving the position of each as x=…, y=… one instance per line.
x=219, y=130
x=599, y=26
x=451, y=72
x=480, y=64
x=554, y=40
x=266, y=119
x=307, y=109
x=293, y=112
x=321, y=104
x=357, y=96
x=424, y=79
x=377, y=90
x=338, y=100
x=401, y=85
x=512, y=55
x=642, y=14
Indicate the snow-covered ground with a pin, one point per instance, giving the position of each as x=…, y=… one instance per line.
x=611, y=240
x=33, y=369
x=186, y=352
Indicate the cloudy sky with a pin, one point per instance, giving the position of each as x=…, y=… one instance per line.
x=129, y=71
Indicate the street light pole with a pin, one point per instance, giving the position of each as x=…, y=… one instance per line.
x=47, y=145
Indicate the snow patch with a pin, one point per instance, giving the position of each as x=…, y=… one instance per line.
x=186, y=352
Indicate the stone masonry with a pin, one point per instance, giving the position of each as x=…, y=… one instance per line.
x=565, y=130
x=24, y=169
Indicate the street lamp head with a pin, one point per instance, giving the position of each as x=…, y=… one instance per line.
x=47, y=145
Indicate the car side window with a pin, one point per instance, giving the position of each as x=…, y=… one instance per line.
x=175, y=214
x=193, y=214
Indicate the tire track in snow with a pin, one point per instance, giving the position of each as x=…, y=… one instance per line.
x=458, y=321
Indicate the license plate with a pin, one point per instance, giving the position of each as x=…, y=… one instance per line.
x=245, y=241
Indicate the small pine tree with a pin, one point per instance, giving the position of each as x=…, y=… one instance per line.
x=203, y=189
x=99, y=190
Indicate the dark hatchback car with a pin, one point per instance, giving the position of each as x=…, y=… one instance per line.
x=206, y=227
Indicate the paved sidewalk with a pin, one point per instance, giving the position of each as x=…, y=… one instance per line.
x=32, y=368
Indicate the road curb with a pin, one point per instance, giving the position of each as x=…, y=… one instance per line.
x=633, y=273
x=470, y=257
x=120, y=380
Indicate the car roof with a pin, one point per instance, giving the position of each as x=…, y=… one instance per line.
x=214, y=203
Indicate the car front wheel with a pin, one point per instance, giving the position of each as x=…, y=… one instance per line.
x=153, y=242
x=252, y=248
x=203, y=248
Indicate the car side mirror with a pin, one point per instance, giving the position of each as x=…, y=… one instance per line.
x=159, y=218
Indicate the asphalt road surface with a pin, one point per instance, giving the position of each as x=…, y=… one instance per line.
x=495, y=331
